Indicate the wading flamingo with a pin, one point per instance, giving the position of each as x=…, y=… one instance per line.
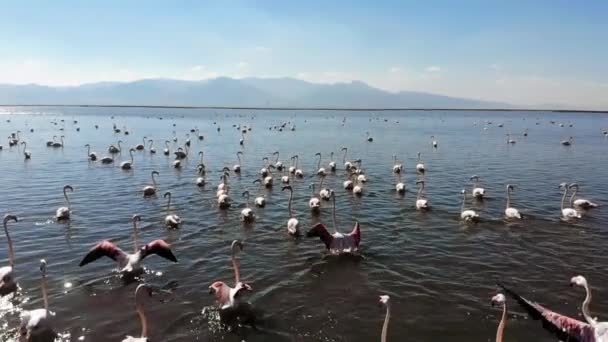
x=7, y=278
x=510, y=212
x=171, y=220
x=226, y=296
x=35, y=324
x=150, y=190
x=63, y=213
x=293, y=225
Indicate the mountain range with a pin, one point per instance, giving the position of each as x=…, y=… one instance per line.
x=230, y=92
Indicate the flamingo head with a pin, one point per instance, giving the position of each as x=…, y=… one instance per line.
x=573, y=185
x=578, y=281
x=498, y=299
x=462, y=191
x=563, y=185
x=384, y=299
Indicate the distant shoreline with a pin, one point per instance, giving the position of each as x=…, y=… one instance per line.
x=314, y=108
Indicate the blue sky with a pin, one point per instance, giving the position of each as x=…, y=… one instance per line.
x=523, y=52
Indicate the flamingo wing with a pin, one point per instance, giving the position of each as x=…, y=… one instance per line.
x=160, y=248
x=356, y=235
x=104, y=248
x=566, y=328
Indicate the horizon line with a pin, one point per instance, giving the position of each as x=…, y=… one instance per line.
x=354, y=109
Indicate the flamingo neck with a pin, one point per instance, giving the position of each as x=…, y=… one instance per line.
x=65, y=194
x=572, y=197
x=169, y=204
x=153, y=180
x=135, y=240
x=564, y=197
x=585, y=307
x=420, y=192
x=464, y=198
x=45, y=295
x=333, y=214
x=319, y=163
x=501, y=325
x=289, y=204
x=142, y=318
x=235, y=265
x=508, y=198
x=386, y=320
x=11, y=251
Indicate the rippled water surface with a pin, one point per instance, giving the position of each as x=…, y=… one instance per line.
x=439, y=272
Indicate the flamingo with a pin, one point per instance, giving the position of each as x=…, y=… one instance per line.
x=434, y=142
x=285, y=177
x=298, y=172
x=50, y=143
x=324, y=193
x=509, y=140
x=293, y=225
x=568, y=142
x=107, y=160
x=226, y=296
x=113, y=149
x=566, y=328
x=237, y=167
x=320, y=170
x=357, y=189
x=397, y=168
x=7, y=278
x=58, y=144
x=499, y=299
x=151, y=148
x=477, y=191
x=581, y=281
x=171, y=220
x=141, y=291
x=174, y=135
x=385, y=299
x=332, y=163
x=129, y=263
x=200, y=180
x=568, y=213
x=421, y=202
x=177, y=164
x=268, y=180
x=347, y=164
x=242, y=140
x=150, y=190
x=127, y=165
x=259, y=201
x=581, y=202
x=63, y=213
x=92, y=155
x=223, y=186
x=292, y=167
x=264, y=170
x=337, y=243
x=36, y=323
x=369, y=138
x=314, y=203
x=187, y=142
x=26, y=154
x=198, y=134
x=140, y=147
x=400, y=186
x=180, y=154
x=166, y=151
x=348, y=184
x=277, y=163
x=467, y=215
x=510, y=212
x=420, y=165
x=247, y=214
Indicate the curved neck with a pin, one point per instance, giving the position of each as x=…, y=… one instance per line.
x=289, y=203
x=572, y=196
x=319, y=163
x=564, y=196
x=89, y=150
x=464, y=198
x=139, y=307
x=151, y=143
x=277, y=160
x=585, y=307
x=313, y=190
x=344, y=158
x=501, y=325
x=333, y=213
x=135, y=240
x=508, y=198
x=238, y=156
x=235, y=265
x=420, y=191
x=168, y=204
x=65, y=194
x=45, y=295
x=11, y=251
x=386, y=320
x=153, y=180
x=131, y=154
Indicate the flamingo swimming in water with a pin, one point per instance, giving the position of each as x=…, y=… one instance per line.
x=171, y=220
x=129, y=263
x=467, y=215
x=320, y=170
x=332, y=163
x=259, y=201
x=510, y=212
x=337, y=243
x=63, y=213
x=421, y=202
x=92, y=155
x=478, y=192
x=293, y=225
x=397, y=168
x=150, y=190
x=581, y=202
x=568, y=213
x=247, y=214
x=499, y=299
x=226, y=296
x=566, y=328
x=277, y=163
x=7, y=278
x=35, y=324
x=237, y=167
x=314, y=203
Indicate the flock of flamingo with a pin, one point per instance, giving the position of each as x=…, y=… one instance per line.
x=37, y=322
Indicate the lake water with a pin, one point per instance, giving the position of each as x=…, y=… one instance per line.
x=439, y=272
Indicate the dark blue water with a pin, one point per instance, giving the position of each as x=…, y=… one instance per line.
x=439, y=272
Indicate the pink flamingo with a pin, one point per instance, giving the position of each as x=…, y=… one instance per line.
x=225, y=295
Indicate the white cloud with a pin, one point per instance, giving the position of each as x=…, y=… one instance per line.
x=242, y=65
x=395, y=69
x=433, y=68
x=197, y=68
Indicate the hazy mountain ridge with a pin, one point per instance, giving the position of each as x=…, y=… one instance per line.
x=224, y=91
